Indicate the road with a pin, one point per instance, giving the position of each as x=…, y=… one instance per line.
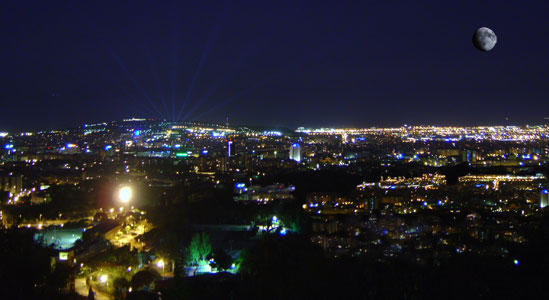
x=82, y=289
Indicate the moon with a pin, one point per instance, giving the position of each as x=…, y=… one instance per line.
x=484, y=39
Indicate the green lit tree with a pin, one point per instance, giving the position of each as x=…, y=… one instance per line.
x=199, y=249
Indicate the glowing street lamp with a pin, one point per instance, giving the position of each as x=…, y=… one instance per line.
x=103, y=278
x=125, y=194
x=160, y=264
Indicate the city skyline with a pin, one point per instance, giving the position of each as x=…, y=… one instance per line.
x=324, y=128
x=243, y=149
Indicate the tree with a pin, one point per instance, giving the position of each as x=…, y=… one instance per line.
x=169, y=249
x=59, y=278
x=222, y=260
x=199, y=249
x=121, y=286
x=144, y=278
x=292, y=262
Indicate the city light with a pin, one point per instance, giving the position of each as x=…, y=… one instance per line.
x=125, y=194
x=160, y=264
x=103, y=278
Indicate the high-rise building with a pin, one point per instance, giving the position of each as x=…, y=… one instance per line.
x=295, y=152
x=229, y=143
x=544, y=199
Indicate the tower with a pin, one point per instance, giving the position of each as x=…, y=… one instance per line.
x=295, y=152
x=544, y=199
x=229, y=143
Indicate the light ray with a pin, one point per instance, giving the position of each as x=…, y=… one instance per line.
x=157, y=83
x=198, y=69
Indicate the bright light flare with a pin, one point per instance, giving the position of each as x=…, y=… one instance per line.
x=125, y=194
x=103, y=278
x=160, y=264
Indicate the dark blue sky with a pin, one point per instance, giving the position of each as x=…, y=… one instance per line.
x=278, y=63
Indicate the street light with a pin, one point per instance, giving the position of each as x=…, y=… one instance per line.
x=160, y=265
x=103, y=278
x=125, y=194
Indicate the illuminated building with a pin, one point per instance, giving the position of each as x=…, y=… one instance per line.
x=264, y=194
x=229, y=143
x=425, y=181
x=544, y=199
x=11, y=183
x=295, y=152
x=497, y=181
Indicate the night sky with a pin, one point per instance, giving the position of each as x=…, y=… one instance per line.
x=274, y=63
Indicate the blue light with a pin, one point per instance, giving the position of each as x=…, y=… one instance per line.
x=283, y=231
x=545, y=191
x=240, y=185
x=295, y=145
x=204, y=152
x=177, y=146
x=108, y=147
x=516, y=262
x=137, y=132
x=8, y=146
